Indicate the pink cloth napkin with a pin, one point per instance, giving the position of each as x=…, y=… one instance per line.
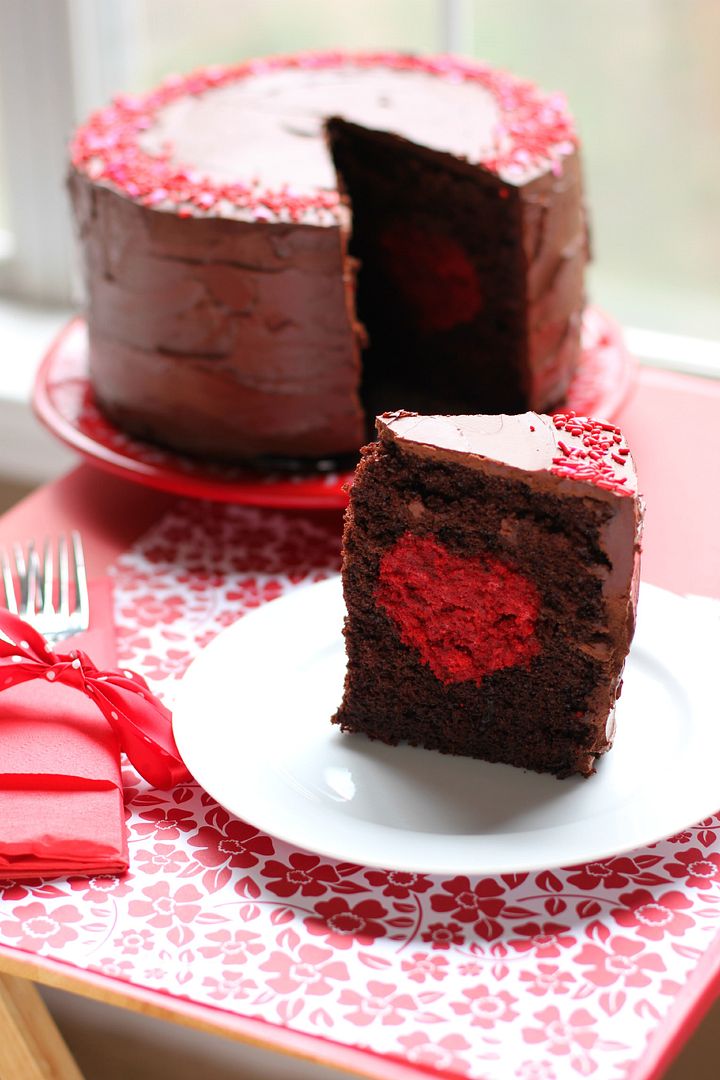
x=61, y=801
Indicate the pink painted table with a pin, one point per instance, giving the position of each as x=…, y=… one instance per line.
x=599, y=970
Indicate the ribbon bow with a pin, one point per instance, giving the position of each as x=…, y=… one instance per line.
x=140, y=721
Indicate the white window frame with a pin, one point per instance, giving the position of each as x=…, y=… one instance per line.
x=55, y=66
x=61, y=58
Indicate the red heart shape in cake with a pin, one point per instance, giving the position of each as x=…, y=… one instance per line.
x=433, y=273
x=467, y=616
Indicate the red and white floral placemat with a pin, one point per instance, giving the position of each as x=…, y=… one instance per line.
x=540, y=976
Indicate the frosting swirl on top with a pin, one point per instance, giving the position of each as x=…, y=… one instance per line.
x=563, y=447
x=183, y=147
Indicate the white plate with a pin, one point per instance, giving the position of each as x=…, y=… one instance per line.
x=252, y=721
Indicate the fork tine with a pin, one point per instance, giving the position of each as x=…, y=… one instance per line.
x=21, y=571
x=82, y=601
x=47, y=580
x=36, y=573
x=8, y=583
x=63, y=578
x=31, y=581
x=20, y=566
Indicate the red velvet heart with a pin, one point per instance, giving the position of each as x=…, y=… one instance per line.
x=467, y=617
x=433, y=274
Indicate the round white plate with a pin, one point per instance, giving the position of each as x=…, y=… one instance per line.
x=252, y=721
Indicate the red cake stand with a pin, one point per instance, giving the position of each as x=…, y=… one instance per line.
x=63, y=401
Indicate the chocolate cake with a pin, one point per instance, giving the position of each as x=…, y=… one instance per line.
x=490, y=572
x=277, y=250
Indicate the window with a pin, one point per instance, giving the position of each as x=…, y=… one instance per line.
x=4, y=214
x=642, y=80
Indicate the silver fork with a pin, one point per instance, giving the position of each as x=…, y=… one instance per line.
x=40, y=584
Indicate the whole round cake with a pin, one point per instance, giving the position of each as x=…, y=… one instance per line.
x=276, y=251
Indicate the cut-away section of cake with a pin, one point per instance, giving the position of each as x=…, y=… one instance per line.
x=490, y=573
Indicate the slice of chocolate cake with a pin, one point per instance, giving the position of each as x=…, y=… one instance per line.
x=490, y=571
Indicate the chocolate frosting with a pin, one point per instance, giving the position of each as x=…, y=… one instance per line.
x=271, y=127
x=499, y=444
x=221, y=338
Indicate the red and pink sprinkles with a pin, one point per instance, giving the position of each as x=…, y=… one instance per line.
x=602, y=459
x=535, y=132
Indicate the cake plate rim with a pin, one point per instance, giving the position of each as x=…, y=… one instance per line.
x=62, y=401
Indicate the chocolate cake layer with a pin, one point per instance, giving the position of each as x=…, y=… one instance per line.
x=490, y=577
x=221, y=294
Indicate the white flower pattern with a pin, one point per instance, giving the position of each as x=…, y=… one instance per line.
x=585, y=961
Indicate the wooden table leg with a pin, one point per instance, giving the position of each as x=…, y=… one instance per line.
x=31, y=1047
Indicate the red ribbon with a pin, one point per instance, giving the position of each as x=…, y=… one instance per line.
x=140, y=721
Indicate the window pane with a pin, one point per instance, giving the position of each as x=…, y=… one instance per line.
x=4, y=211
x=643, y=80
x=177, y=35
